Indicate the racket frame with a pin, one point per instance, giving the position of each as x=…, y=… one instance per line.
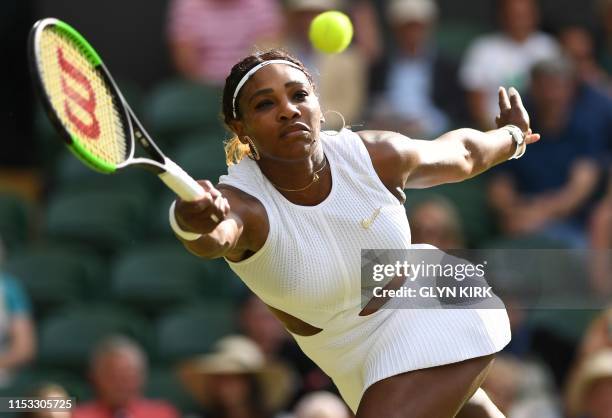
x=169, y=172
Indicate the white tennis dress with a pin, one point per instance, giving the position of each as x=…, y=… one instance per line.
x=310, y=265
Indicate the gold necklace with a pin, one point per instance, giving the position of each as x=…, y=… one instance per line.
x=315, y=178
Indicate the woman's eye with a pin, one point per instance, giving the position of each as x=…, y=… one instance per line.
x=300, y=95
x=263, y=104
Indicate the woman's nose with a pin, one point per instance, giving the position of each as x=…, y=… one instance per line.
x=289, y=110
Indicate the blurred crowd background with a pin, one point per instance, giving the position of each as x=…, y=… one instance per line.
x=100, y=302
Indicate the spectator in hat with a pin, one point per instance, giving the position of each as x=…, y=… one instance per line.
x=236, y=381
x=589, y=391
x=416, y=91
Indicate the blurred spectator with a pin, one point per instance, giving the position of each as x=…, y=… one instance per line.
x=235, y=381
x=17, y=339
x=589, y=392
x=259, y=324
x=577, y=44
x=601, y=241
x=207, y=37
x=554, y=199
x=605, y=42
x=321, y=405
x=520, y=389
x=49, y=391
x=417, y=91
x=118, y=374
x=436, y=222
x=598, y=336
x=340, y=78
x=504, y=58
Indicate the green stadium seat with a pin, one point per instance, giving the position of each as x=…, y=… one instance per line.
x=202, y=156
x=155, y=277
x=163, y=383
x=180, y=106
x=49, y=143
x=72, y=176
x=192, y=330
x=57, y=276
x=159, y=227
x=68, y=337
x=105, y=220
x=570, y=324
x=221, y=282
x=15, y=221
x=454, y=37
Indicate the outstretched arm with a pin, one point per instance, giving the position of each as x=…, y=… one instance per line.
x=455, y=156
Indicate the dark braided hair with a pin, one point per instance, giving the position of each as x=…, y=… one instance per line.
x=234, y=149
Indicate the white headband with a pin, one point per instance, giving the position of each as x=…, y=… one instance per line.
x=253, y=71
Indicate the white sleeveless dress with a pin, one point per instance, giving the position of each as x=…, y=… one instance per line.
x=310, y=265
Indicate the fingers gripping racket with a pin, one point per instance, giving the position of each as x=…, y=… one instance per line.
x=86, y=106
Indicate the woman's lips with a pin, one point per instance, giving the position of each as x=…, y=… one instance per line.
x=295, y=129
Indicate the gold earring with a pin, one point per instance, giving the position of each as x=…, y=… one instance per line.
x=254, y=153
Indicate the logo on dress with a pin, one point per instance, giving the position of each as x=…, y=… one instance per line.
x=366, y=223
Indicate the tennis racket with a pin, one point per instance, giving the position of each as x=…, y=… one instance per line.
x=87, y=108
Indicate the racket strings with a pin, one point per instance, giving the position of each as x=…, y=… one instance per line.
x=81, y=97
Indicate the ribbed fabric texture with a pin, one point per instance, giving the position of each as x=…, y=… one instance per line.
x=310, y=266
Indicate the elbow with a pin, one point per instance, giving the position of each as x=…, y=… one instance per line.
x=472, y=161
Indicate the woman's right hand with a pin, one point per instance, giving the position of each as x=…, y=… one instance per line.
x=198, y=216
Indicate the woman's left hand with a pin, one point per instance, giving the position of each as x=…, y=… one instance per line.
x=512, y=112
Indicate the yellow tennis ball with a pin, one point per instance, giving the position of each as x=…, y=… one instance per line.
x=331, y=32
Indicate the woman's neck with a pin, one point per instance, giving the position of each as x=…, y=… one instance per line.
x=303, y=182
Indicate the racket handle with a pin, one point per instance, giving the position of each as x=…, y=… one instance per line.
x=180, y=182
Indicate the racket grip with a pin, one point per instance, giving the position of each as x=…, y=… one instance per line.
x=180, y=182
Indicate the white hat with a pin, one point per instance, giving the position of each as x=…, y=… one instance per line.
x=400, y=11
x=594, y=367
x=236, y=354
x=299, y=5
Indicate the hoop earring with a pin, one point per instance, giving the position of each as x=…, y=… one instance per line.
x=254, y=154
x=331, y=132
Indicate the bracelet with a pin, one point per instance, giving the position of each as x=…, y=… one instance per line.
x=186, y=235
x=519, y=140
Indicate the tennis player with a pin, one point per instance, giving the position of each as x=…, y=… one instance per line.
x=297, y=206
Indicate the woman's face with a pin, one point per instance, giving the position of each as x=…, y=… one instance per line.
x=280, y=113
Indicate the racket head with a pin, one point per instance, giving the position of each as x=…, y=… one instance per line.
x=79, y=95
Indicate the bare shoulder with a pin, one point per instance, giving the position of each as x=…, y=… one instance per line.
x=250, y=216
x=380, y=138
x=389, y=152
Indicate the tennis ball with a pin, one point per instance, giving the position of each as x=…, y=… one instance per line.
x=331, y=32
